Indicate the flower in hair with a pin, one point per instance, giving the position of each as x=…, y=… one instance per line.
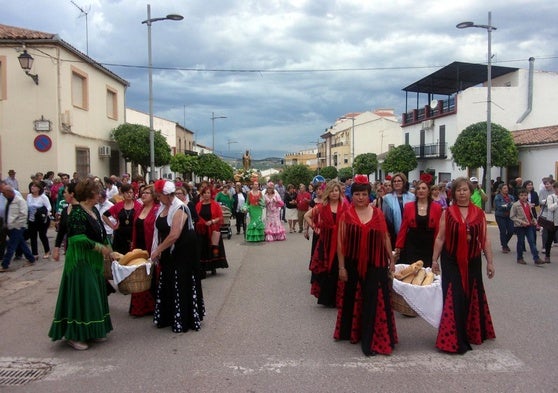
x=426, y=177
x=361, y=179
x=388, y=177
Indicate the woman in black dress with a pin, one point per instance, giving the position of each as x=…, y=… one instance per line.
x=124, y=212
x=179, y=298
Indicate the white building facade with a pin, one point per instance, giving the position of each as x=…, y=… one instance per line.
x=521, y=99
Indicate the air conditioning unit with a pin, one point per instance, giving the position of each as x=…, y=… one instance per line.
x=104, y=151
x=427, y=124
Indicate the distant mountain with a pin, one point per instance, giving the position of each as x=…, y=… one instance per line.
x=265, y=163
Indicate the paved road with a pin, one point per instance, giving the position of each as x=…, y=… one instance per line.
x=264, y=333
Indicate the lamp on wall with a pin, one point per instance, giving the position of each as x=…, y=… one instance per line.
x=26, y=62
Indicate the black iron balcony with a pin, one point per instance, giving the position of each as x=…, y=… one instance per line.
x=434, y=150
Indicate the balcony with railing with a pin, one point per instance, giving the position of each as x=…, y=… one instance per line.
x=433, y=150
x=442, y=108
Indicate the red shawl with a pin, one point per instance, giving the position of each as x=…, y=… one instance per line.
x=364, y=243
x=216, y=214
x=457, y=231
x=148, y=227
x=324, y=220
x=116, y=208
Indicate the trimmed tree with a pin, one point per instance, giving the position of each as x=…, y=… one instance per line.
x=133, y=143
x=469, y=150
x=329, y=172
x=297, y=174
x=400, y=159
x=184, y=164
x=345, y=173
x=214, y=167
x=366, y=163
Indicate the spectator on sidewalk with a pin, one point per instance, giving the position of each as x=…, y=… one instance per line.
x=479, y=196
x=502, y=205
x=525, y=227
x=16, y=223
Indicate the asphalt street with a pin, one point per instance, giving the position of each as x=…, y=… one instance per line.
x=264, y=332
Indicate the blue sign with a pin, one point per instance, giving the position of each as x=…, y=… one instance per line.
x=42, y=143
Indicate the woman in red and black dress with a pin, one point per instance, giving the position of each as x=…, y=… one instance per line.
x=323, y=219
x=421, y=218
x=208, y=229
x=461, y=240
x=143, y=303
x=365, y=261
x=124, y=212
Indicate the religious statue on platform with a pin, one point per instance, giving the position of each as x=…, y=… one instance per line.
x=246, y=160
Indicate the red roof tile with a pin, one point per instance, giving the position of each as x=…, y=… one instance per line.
x=536, y=136
x=18, y=33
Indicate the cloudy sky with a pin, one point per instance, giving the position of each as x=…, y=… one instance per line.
x=282, y=71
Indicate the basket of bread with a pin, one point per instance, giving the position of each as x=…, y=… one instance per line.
x=132, y=271
x=410, y=281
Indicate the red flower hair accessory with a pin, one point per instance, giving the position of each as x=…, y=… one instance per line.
x=159, y=185
x=361, y=179
x=388, y=177
x=426, y=177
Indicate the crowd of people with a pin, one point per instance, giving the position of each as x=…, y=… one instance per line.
x=360, y=230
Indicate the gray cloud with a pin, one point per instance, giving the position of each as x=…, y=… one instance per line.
x=372, y=50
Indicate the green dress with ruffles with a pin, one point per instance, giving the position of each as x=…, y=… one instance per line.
x=256, y=227
x=82, y=311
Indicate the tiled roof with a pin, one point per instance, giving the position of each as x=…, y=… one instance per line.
x=25, y=36
x=18, y=33
x=536, y=136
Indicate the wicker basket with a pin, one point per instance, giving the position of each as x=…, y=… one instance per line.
x=138, y=281
x=107, y=271
x=399, y=304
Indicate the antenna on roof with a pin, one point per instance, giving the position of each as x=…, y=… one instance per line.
x=86, y=25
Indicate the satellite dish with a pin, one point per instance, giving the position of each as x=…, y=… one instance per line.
x=433, y=104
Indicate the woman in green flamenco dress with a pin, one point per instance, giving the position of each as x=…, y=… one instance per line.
x=255, y=205
x=82, y=311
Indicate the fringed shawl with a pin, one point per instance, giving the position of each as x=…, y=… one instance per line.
x=364, y=243
x=148, y=227
x=327, y=223
x=457, y=232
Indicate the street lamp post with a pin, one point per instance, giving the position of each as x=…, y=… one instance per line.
x=148, y=22
x=213, y=117
x=489, y=28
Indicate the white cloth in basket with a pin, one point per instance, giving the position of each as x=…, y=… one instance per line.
x=427, y=301
x=121, y=272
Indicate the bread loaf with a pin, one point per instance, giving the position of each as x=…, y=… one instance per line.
x=419, y=277
x=137, y=261
x=409, y=270
x=429, y=279
x=409, y=279
x=134, y=254
x=116, y=255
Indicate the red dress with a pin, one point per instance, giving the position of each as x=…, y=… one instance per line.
x=323, y=264
x=465, y=317
x=364, y=301
x=143, y=303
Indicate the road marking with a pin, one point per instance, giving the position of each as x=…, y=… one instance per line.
x=472, y=362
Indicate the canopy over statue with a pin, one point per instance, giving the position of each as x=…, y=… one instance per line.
x=246, y=160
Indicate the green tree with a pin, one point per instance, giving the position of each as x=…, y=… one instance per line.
x=400, y=159
x=296, y=174
x=366, y=163
x=329, y=172
x=133, y=143
x=184, y=164
x=275, y=177
x=345, y=173
x=214, y=167
x=469, y=150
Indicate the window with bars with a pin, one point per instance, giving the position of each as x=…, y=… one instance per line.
x=83, y=166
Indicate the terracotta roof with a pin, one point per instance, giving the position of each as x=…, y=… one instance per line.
x=18, y=33
x=11, y=34
x=536, y=136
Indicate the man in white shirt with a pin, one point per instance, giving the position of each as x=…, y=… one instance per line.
x=103, y=205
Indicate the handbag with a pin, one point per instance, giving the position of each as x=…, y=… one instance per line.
x=545, y=222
